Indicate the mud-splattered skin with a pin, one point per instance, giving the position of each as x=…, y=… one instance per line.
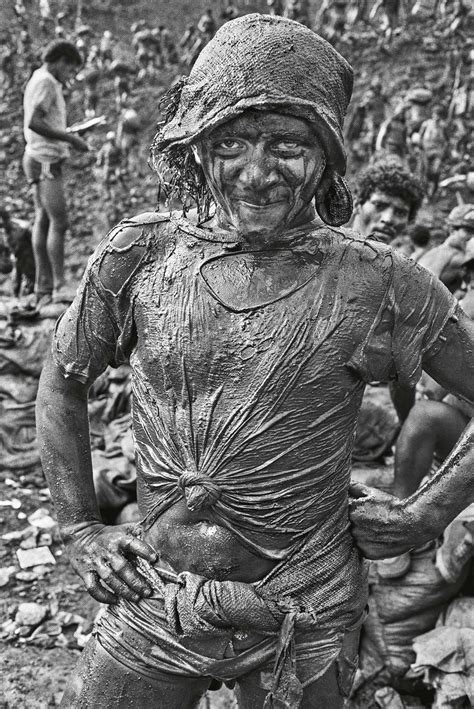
x=250, y=339
x=196, y=542
x=263, y=170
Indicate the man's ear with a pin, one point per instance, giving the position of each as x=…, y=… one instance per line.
x=196, y=154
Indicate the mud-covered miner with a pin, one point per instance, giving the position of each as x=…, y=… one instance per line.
x=252, y=324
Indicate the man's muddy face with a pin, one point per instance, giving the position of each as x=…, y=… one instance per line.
x=383, y=215
x=263, y=169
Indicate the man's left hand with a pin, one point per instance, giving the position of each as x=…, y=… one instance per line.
x=382, y=525
x=78, y=143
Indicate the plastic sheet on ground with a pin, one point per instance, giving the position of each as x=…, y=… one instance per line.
x=400, y=610
x=20, y=368
x=21, y=363
x=445, y=656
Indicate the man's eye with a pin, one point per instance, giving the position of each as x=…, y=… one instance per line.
x=287, y=147
x=228, y=146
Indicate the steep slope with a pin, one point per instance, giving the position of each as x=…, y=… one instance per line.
x=405, y=64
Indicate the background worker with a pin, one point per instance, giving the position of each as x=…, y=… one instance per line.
x=47, y=146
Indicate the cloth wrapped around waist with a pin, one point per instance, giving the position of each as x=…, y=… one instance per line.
x=139, y=638
x=307, y=592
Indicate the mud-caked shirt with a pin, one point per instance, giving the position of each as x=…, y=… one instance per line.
x=248, y=370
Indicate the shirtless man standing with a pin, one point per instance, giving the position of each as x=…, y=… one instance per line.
x=251, y=329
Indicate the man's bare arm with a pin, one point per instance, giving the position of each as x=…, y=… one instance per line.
x=99, y=553
x=384, y=526
x=38, y=125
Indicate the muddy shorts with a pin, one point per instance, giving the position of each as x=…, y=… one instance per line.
x=138, y=637
x=36, y=171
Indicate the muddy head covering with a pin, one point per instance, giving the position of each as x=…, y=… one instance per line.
x=268, y=63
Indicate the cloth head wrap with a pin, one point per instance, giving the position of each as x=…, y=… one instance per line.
x=270, y=63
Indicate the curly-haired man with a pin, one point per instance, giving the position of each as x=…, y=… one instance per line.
x=388, y=199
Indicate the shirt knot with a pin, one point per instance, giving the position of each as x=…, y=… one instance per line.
x=199, y=490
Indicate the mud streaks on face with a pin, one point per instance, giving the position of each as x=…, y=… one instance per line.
x=263, y=169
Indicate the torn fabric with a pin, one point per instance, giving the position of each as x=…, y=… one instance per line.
x=263, y=61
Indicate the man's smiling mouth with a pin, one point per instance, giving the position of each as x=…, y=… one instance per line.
x=260, y=205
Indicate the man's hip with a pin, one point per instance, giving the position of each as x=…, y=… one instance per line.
x=36, y=171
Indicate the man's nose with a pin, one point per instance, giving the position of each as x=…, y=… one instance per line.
x=259, y=172
x=387, y=216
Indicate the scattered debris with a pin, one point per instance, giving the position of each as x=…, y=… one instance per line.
x=15, y=504
x=45, y=626
x=34, y=557
x=29, y=542
x=388, y=698
x=38, y=572
x=5, y=574
x=17, y=535
x=30, y=614
x=42, y=519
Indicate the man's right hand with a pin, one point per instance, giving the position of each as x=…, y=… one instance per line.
x=78, y=143
x=102, y=554
x=384, y=526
